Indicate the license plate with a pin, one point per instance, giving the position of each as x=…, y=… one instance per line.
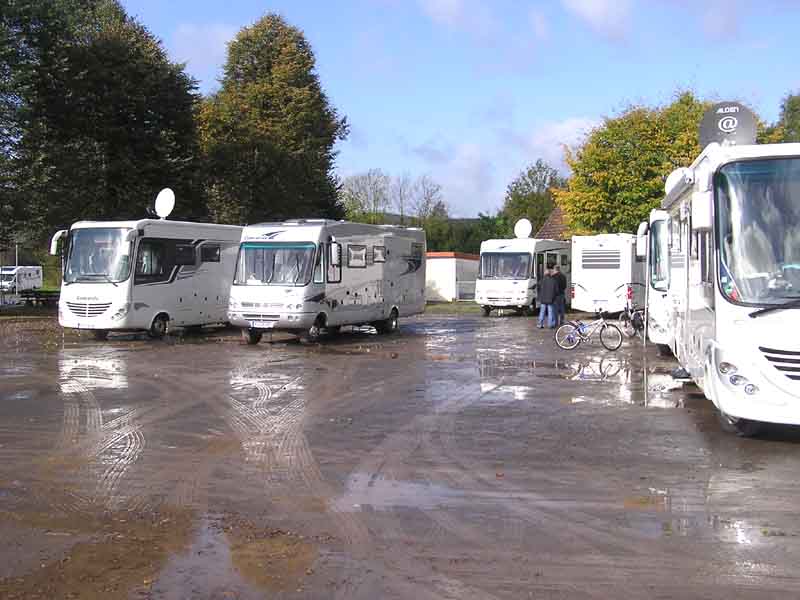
x=262, y=324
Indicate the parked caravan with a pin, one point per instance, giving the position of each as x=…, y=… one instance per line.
x=732, y=225
x=147, y=275
x=310, y=276
x=606, y=272
x=14, y=280
x=509, y=269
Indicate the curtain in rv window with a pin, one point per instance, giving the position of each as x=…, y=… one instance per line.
x=275, y=263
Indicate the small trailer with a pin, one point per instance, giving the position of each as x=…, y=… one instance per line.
x=606, y=272
x=14, y=280
x=309, y=276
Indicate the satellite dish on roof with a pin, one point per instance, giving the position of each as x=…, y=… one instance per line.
x=728, y=123
x=523, y=228
x=165, y=202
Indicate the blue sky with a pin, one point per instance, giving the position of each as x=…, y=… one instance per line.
x=470, y=91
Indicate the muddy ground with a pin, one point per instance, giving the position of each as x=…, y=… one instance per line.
x=464, y=457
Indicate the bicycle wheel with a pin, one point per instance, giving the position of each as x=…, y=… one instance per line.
x=567, y=336
x=610, y=336
x=626, y=325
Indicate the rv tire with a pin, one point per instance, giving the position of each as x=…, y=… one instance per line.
x=741, y=427
x=333, y=329
x=100, y=335
x=251, y=336
x=388, y=325
x=487, y=310
x=313, y=333
x=664, y=350
x=159, y=327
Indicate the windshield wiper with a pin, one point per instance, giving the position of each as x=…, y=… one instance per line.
x=762, y=311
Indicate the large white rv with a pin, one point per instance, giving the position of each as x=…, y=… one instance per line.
x=605, y=272
x=14, y=280
x=509, y=270
x=306, y=276
x=145, y=275
x=733, y=232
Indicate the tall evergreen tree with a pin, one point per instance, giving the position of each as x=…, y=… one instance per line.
x=99, y=118
x=269, y=133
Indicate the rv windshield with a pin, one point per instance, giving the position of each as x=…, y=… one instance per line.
x=659, y=256
x=98, y=255
x=505, y=265
x=758, y=225
x=275, y=263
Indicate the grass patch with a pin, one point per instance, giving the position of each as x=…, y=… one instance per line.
x=452, y=308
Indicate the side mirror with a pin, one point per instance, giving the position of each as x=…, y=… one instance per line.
x=641, y=239
x=54, y=251
x=701, y=210
x=131, y=235
x=336, y=254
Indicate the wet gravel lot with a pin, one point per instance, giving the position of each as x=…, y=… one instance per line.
x=464, y=457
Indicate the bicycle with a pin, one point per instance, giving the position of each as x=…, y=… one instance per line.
x=570, y=335
x=631, y=319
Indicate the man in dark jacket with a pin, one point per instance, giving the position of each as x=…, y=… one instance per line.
x=546, y=296
x=561, y=297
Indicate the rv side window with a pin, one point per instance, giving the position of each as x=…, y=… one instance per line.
x=209, y=253
x=356, y=256
x=184, y=255
x=564, y=260
x=152, y=264
x=334, y=271
x=379, y=253
x=318, y=265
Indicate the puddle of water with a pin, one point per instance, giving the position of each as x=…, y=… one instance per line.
x=365, y=493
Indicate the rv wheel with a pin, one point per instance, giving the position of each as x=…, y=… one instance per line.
x=159, y=327
x=251, y=336
x=664, y=350
x=333, y=329
x=100, y=335
x=487, y=310
x=314, y=332
x=388, y=325
x=741, y=427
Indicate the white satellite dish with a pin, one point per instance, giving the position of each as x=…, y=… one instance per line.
x=523, y=228
x=165, y=202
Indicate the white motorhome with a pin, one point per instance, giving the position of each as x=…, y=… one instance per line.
x=306, y=276
x=509, y=269
x=606, y=272
x=733, y=233
x=147, y=275
x=14, y=280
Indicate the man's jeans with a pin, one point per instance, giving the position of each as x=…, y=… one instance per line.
x=561, y=309
x=549, y=311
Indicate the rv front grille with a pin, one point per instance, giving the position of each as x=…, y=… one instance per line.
x=84, y=309
x=260, y=317
x=601, y=259
x=259, y=305
x=785, y=361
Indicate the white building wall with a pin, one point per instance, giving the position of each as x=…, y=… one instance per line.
x=448, y=279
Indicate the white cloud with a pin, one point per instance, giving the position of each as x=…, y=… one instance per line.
x=541, y=29
x=204, y=48
x=610, y=18
x=548, y=140
x=473, y=16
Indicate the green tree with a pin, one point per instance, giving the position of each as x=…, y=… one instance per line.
x=366, y=196
x=789, y=120
x=268, y=135
x=530, y=195
x=95, y=118
x=618, y=173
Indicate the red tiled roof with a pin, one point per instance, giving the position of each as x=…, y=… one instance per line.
x=453, y=255
x=554, y=227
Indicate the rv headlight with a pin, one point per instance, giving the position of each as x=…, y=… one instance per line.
x=727, y=368
x=751, y=389
x=123, y=310
x=738, y=380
